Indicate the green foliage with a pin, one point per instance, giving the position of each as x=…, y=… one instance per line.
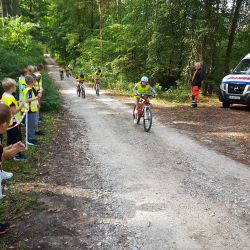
x=17, y=47
x=178, y=93
x=51, y=100
x=128, y=39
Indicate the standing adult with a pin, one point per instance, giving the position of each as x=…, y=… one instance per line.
x=196, y=83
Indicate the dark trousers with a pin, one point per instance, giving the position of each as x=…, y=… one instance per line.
x=14, y=135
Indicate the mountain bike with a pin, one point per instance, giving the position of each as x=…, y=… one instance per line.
x=97, y=87
x=80, y=90
x=145, y=112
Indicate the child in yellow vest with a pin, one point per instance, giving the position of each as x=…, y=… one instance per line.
x=32, y=107
x=14, y=130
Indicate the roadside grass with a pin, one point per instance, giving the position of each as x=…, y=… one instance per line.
x=161, y=101
x=19, y=204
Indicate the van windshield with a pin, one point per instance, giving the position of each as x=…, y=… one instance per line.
x=243, y=67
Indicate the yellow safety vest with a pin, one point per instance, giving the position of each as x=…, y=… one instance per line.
x=21, y=86
x=96, y=76
x=32, y=106
x=141, y=89
x=8, y=99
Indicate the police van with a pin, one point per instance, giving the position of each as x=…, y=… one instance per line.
x=235, y=88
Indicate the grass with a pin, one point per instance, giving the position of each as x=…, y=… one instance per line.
x=16, y=202
x=161, y=101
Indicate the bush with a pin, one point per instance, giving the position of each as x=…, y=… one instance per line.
x=12, y=62
x=178, y=93
x=51, y=98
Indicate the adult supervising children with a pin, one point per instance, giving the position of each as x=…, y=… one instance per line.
x=197, y=79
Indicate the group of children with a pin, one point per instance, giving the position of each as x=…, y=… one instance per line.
x=16, y=110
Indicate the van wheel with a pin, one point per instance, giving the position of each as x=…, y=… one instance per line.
x=226, y=105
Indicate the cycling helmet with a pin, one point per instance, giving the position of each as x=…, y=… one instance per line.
x=81, y=75
x=144, y=79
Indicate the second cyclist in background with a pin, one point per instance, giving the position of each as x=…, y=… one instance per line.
x=96, y=76
x=80, y=85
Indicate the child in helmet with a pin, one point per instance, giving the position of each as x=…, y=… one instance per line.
x=96, y=76
x=141, y=88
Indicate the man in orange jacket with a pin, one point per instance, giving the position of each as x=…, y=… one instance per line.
x=196, y=84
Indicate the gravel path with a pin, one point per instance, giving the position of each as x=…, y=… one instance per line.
x=163, y=190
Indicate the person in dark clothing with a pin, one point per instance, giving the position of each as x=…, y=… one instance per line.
x=196, y=84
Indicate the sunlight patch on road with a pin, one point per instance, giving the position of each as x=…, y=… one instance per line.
x=187, y=122
x=60, y=190
x=243, y=135
x=68, y=91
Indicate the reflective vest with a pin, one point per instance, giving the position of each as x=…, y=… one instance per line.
x=21, y=86
x=8, y=99
x=141, y=89
x=38, y=82
x=96, y=76
x=29, y=106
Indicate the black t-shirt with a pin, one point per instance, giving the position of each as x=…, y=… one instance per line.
x=1, y=154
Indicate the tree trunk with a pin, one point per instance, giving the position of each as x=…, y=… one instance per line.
x=231, y=35
x=6, y=8
x=14, y=7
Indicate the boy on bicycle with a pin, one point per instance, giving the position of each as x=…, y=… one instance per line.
x=141, y=88
x=96, y=76
x=80, y=79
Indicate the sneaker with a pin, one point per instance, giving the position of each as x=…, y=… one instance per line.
x=5, y=175
x=20, y=158
x=32, y=142
x=39, y=133
x=4, y=227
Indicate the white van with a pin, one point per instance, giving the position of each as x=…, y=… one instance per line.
x=235, y=88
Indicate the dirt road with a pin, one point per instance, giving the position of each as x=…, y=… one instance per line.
x=118, y=187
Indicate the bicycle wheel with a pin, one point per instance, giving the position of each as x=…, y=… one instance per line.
x=78, y=91
x=147, y=121
x=136, y=117
x=83, y=93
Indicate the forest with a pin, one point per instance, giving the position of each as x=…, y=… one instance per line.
x=128, y=38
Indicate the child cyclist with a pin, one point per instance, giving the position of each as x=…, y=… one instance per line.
x=96, y=76
x=142, y=88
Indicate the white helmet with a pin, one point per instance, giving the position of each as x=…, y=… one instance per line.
x=144, y=79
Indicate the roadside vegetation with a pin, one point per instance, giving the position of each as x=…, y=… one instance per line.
x=128, y=39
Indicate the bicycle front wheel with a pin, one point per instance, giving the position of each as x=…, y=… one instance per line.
x=148, y=118
x=97, y=90
x=78, y=91
x=83, y=93
x=136, y=116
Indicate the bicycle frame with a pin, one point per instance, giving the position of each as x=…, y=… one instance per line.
x=143, y=104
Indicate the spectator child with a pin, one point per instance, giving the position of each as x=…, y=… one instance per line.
x=32, y=107
x=14, y=132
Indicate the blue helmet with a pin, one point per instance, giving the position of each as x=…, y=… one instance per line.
x=144, y=79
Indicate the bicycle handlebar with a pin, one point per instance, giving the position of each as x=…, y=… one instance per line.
x=147, y=95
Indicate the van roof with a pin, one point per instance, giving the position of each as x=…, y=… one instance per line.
x=247, y=56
